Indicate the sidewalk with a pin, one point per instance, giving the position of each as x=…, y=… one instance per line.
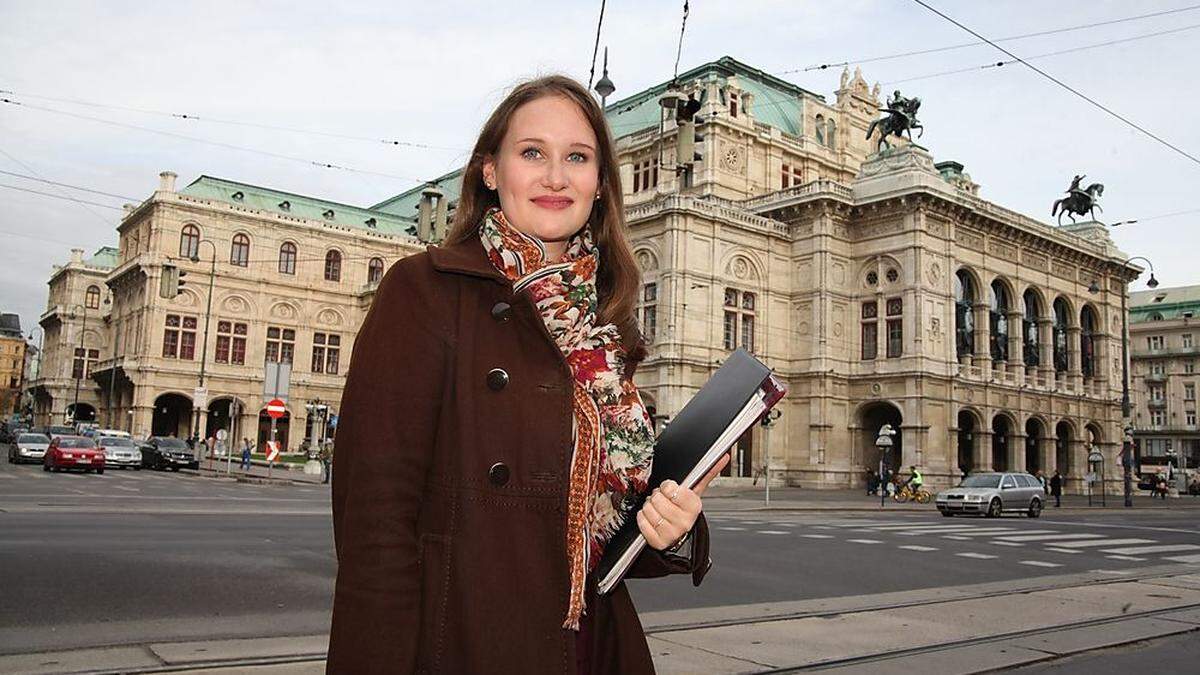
x=259, y=472
x=953, y=629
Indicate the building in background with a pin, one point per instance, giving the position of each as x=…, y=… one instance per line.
x=880, y=286
x=1164, y=352
x=12, y=364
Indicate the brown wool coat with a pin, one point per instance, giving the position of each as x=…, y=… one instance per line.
x=450, y=488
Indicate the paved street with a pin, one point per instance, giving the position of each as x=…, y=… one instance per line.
x=135, y=557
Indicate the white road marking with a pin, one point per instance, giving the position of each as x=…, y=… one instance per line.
x=1061, y=550
x=8, y=475
x=732, y=529
x=1185, y=558
x=997, y=530
x=1169, y=548
x=956, y=538
x=1124, y=557
x=914, y=547
x=127, y=489
x=1103, y=542
x=977, y=556
x=864, y=541
x=926, y=528
x=1048, y=537
x=773, y=532
x=1007, y=543
x=817, y=536
x=1039, y=563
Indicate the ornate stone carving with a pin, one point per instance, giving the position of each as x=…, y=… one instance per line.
x=734, y=158
x=646, y=261
x=970, y=239
x=234, y=304
x=283, y=310
x=837, y=329
x=1003, y=250
x=934, y=273
x=329, y=317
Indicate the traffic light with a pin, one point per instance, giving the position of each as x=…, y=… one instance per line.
x=171, y=281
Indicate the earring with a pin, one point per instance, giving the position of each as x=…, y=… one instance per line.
x=597, y=195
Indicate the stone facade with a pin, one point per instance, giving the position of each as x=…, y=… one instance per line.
x=12, y=364
x=1164, y=351
x=881, y=288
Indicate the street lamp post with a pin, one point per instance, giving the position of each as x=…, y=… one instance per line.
x=1126, y=411
x=212, y=275
x=884, y=443
x=768, y=420
x=37, y=366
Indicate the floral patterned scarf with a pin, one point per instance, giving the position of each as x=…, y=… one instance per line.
x=613, y=439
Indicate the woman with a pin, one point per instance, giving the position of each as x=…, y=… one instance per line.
x=491, y=437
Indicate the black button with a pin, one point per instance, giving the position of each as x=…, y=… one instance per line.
x=498, y=474
x=502, y=311
x=497, y=379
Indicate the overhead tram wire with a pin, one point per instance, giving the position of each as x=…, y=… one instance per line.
x=1064, y=85
x=54, y=196
x=596, y=49
x=1060, y=52
x=1132, y=221
x=935, y=50
x=63, y=195
x=196, y=139
x=213, y=120
x=69, y=186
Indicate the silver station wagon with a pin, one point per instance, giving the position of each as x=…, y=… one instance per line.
x=992, y=494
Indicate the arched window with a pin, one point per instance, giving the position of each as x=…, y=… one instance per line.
x=830, y=133
x=333, y=266
x=964, y=314
x=998, y=320
x=189, y=242
x=1060, y=335
x=820, y=129
x=92, y=297
x=287, y=258
x=239, y=252
x=375, y=270
x=1087, y=342
x=1033, y=311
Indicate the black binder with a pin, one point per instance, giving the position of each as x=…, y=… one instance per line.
x=733, y=399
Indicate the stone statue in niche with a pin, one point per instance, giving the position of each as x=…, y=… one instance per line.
x=1078, y=202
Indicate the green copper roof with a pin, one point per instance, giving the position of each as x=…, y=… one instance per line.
x=105, y=257
x=297, y=206
x=1169, y=303
x=777, y=103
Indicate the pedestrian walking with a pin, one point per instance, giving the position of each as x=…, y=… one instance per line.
x=872, y=482
x=245, y=466
x=465, y=543
x=1041, y=479
x=1056, y=485
x=326, y=456
x=1160, y=487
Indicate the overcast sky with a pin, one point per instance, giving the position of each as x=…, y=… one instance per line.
x=429, y=72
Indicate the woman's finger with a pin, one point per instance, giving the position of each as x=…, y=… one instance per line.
x=652, y=536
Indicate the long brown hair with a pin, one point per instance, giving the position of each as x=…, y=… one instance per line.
x=619, y=279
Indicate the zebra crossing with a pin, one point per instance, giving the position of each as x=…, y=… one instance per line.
x=1035, y=545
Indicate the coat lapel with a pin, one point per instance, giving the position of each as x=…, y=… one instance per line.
x=465, y=257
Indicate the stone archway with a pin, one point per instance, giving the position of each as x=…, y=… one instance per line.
x=81, y=412
x=1062, y=448
x=968, y=431
x=1034, y=432
x=871, y=418
x=1002, y=440
x=172, y=416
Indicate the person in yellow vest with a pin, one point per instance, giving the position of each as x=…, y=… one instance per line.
x=915, y=479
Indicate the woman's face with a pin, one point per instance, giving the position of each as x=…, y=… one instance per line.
x=546, y=171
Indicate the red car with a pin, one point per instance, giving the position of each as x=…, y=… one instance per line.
x=73, y=452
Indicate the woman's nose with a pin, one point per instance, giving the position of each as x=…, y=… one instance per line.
x=555, y=176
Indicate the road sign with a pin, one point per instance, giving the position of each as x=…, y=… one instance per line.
x=272, y=450
x=222, y=434
x=200, y=398
x=276, y=408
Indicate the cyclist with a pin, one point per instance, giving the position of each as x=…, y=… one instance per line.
x=915, y=479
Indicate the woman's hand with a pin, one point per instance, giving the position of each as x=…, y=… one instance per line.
x=671, y=510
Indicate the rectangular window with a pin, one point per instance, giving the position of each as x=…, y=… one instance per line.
x=179, y=337
x=895, y=344
x=785, y=177
x=1158, y=392
x=648, y=311
x=748, y=333
x=1157, y=368
x=733, y=104
x=730, y=330
x=1154, y=342
x=1189, y=367
x=1191, y=418
x=231, y=343
x=1187, y=340
x=645, y=175
x=281, y=344
x=325, y=353
x=870, y=340
x=85, y=359
x=739, y=313
x=1189, y=391
x=1158, y=418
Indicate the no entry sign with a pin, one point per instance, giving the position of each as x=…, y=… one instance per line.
x=276, y=408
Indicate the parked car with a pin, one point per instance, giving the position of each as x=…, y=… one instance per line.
x=54, y=431
x=28, y=448
x=66, y=453
x=112, y=432
x=167, y=452
x=120, y=452
x=992, y=494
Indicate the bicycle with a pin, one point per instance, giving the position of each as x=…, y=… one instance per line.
x=920, y=496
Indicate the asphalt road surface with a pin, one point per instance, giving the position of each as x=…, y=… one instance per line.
x=129, y=557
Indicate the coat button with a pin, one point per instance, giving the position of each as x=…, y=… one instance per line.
x=501, y=311
x=498, y=474
x=497, y=379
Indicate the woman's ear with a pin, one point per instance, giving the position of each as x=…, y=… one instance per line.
x=489, y=172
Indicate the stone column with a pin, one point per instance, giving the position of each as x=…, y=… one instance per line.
x=1074, y=372
x=983, y=331
x=1045, y=328
x=1016, y=452
x=1016, y=342
x=1046, y=455
x=982, y=450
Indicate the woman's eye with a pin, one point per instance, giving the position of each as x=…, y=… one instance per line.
x=526, y=153
x=582, y=157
